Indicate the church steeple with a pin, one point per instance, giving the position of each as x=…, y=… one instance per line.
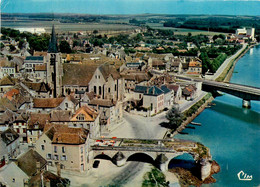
x=53, y=42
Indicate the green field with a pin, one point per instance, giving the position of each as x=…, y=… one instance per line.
x=182, y=31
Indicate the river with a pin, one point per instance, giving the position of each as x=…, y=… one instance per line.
x=232, y=132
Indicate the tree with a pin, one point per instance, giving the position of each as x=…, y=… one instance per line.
x=95, y=32
x=175, y=117
x=65, y=47
x=12, y=48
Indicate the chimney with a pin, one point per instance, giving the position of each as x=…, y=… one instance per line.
x=58, y=169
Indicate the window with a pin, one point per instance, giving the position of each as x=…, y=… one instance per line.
x=99, y=89
x=95, y=89
x=63, y=157
x=81, y=150
x=18, y=130
x=43, y=147
x=63, y=149
x=81, y=158
x=108, y=90
x=81, y=117
x=99, y=77
x=48, y=156
x=24, y=130
x=56, y=157
x=115, y=87
x=66, y=105
x=55, y=149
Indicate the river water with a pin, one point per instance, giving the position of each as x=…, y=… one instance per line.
x=232, y=132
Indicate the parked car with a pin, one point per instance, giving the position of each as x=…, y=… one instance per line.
x=96, y=164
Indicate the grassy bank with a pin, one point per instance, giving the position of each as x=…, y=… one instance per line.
x=230, y=67
x=154, y=178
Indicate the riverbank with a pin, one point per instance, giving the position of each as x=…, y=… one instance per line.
x=208, y=99
x=229, y=74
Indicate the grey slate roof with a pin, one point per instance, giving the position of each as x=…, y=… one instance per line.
x=53, y=48
x=38, y=58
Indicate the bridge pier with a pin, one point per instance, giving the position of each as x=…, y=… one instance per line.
x=205, y=169
x=161, y=162
x=119, y=159
x=246, y=103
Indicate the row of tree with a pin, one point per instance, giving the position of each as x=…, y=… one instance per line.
x=211, y=65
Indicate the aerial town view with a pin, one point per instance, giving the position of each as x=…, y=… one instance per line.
x=131, y=93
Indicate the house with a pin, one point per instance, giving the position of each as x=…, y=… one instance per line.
x=110, y=113
x=48, y=179
x=48, y=104
x=11, y=175
x=168, y=96
x=176, y=90
x=134, y=77
x=158, y=64
x=153, y=97
x=87, y=118
x=31, y=162
x=9, y=144
x=6, y=83
x=35, y=126
x=189, y=92
x=195, y=67
x=37, y=90
x=20, y=126
x=41, y=73
x=31, y=62
x=64, y=145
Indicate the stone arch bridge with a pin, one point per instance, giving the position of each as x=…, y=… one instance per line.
x=158, y=152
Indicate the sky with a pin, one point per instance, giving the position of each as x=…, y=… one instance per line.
x=211, y=7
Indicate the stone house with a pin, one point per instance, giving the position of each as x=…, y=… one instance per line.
x=47, y=104
x=168, y=96
x=88, y=118
x=110, y=113
x=153, y=97
x=67, y=146
x=20, y=126
x=176, y=90
x=11, y=175
x=195, y=67
x=6, y=83
x=37, y=90
x=9, y=144
x=31, y=162
x=35, y=126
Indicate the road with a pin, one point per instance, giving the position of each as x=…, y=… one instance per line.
x=226, y=62
x=137, y=127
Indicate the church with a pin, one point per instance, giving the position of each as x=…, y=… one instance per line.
x=54, y=67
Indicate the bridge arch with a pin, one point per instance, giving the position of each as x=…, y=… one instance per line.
x=141, y=157
x=185, y=160
x=103, y=157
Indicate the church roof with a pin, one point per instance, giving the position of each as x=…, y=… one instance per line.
x=53, y=42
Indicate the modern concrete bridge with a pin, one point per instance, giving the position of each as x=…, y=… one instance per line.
x=247, y=93
x=158, y=152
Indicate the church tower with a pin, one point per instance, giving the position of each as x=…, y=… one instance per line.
x=54, y=67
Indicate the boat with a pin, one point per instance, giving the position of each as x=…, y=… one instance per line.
x=194, y=123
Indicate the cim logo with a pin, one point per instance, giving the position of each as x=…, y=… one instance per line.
x=244, y=177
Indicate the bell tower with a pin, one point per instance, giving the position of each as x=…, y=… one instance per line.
x=54, y=66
